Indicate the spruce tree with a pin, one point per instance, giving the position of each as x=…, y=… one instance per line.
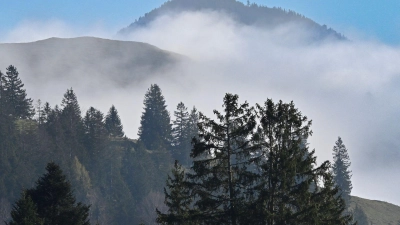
x=341, y=170
x=55, y=201
x=155, y=127
x=113, y=123
x=71, y=121
x=221, y=154
x=16, y=102
x=177, y=199
x=180, y=140
x=248, y=174
x=288, y=188
x=24, y=212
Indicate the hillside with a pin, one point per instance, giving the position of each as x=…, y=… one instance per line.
x=251, y=14
x=377, y=212
x=75, y=57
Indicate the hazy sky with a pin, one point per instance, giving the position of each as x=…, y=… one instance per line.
x=372, y=19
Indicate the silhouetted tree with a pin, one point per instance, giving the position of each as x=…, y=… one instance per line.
x=113, y=123
x=341, y=170
x=55, y=201
x=155, y=127
x=16, y=102
x=177, y=199
x=180, y=140
x=24, y=212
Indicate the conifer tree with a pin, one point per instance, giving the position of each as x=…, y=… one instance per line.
x=341, y=170
x=177, y=199
x=71, y=121
x=155, y=127
x=113, y=123
x=24, y=212
x=287, y=189
x=220, y=156
x=55, y=201
x=95, y=131
x=180, y=140
x=16, y=101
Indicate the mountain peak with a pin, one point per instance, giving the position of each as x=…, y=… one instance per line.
x=250, y=14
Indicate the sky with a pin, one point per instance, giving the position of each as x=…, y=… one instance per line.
x=349, y=89
x=377, y=20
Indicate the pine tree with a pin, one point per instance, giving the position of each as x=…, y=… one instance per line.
x=155, y=127
x=244, y=174
x=71, y=121
x=95, y=132
x=180, y=139
x=24, y=212
x=220, y=156
x=288, y=189
x=16, y=101
x=55, y=201
x=113, y=123
x=177, y=199
x=341, y=171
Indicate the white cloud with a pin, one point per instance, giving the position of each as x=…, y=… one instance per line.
x=349, y=89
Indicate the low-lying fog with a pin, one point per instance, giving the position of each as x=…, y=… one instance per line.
x=349, y=89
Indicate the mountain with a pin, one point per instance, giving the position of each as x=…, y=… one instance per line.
x=70, y=58
x=250, y=14
x=377, y=212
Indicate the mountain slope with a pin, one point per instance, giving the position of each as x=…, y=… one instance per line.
x=377, y=212
x=71, y=58
x=252, y=14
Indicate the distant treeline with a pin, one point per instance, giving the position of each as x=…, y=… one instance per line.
x=251, y=165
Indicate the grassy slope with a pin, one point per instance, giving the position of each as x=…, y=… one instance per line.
x=378, y=212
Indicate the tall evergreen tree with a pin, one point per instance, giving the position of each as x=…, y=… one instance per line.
x=180, y=140
x=113, y=123
x=155, y=127
x=24, y=212
x=177, y=199
x=288, y=189
x=220, y=157
x=71, y=121
x=341, y=170
x=55, y=201
x=243, y=174
x=95, y=132
x=17, y=103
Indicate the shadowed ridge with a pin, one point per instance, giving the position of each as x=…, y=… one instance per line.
x=252, y=14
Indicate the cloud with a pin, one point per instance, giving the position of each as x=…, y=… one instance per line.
x=349, y=88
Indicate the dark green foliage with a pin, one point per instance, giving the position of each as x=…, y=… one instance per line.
x=15, y=101
x=113, y=123
x=221, y=155
x=341, y=171
x=177, y=199
x=55, y=201
x=155, y=127
x=180, y=138
x=244, y=174
x=24, y=212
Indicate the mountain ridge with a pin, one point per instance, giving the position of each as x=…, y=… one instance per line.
x=251, y=14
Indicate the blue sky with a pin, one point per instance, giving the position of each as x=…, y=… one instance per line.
x=377, y=20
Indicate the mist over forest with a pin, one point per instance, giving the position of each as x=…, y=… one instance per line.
x=348, y=88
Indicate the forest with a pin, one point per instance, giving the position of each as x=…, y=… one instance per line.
x=248, y=165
